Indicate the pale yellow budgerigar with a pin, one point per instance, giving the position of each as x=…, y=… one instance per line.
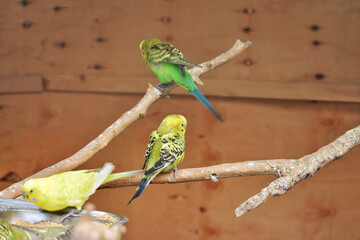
x=69, y=189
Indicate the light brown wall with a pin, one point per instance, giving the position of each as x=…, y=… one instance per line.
x=55, y=101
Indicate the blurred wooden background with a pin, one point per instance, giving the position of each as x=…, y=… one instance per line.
x=68, y=69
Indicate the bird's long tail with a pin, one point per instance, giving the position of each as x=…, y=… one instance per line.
x=119, y=175
x=196, y=93
x=143, y=184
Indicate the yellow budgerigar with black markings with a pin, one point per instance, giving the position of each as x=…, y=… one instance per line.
x=165, y=150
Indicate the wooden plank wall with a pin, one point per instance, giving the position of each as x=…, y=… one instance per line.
x=38, y=130
x=68, y=69
x=301, y=50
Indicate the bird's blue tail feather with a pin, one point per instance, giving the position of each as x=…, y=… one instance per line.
x=196, y=93
x=143, y=184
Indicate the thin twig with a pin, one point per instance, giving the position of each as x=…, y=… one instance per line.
x=137, y=112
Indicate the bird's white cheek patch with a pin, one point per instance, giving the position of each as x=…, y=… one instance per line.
x=35, y=199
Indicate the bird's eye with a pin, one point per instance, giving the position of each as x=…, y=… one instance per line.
x=182, y=124
x=31, y=191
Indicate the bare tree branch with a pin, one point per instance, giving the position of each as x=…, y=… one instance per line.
x=226, y=170
x=303, y=168
x=289, y=171
x=137, y=112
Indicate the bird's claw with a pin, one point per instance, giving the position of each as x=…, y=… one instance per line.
x=72, y=213
x=163, y=88
x=174, y=174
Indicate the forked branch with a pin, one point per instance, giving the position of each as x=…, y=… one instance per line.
x=139, y=111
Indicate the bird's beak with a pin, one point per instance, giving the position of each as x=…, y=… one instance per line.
x=25, y=196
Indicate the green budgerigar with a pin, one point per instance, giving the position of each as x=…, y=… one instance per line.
x=168, y=64
x=165, y=150
x=9, y=232
x=69, y=189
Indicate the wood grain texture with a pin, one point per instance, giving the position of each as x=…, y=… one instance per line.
x=300, y=50
x=38, y=130
x=21, y=84
x=239, y=88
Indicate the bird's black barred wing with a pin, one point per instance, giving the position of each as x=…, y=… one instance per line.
x=173, y=146
x=163, y=52
x=153, y=136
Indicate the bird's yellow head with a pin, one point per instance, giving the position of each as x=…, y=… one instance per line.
x=31, y=191
x=176, y=122
x=145, y=45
